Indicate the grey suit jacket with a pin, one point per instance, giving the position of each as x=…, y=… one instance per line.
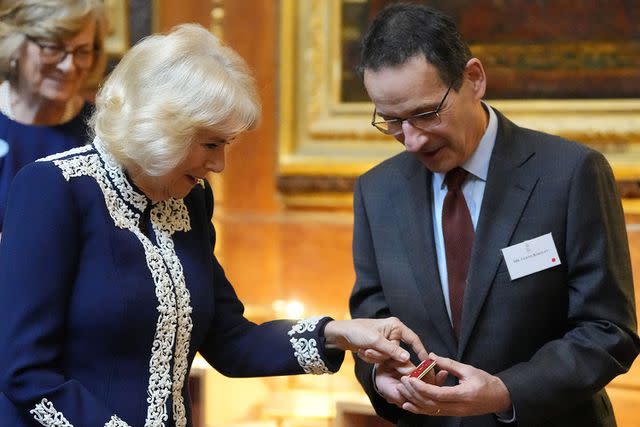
x=555, y=337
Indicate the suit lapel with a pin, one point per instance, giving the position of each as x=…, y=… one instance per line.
x=508, y=188
x=412, y=204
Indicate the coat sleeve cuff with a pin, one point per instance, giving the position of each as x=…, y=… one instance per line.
x=307, y=339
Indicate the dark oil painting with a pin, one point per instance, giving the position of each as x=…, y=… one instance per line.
x=531, y=49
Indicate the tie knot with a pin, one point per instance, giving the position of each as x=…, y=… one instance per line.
x=454, y=178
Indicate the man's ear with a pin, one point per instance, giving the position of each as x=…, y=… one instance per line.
x=474, y=73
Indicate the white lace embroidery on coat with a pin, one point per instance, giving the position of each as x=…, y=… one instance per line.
x=46, y=414
x=306, y=349
x=116, y=422
x=305, y=325
x=139, y=201
x=71, y=152
x=174, y=323
x=166, y=218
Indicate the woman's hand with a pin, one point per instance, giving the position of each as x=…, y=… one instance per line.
x=375, y=340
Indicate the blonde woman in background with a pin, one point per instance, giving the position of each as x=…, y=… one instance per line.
x=49, y=49
x=108, y=282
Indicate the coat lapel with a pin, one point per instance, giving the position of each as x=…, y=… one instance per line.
x=508, y=188
x=412, y=204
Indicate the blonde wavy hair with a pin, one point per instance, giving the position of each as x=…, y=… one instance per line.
x=53, y=20
x=165, y=90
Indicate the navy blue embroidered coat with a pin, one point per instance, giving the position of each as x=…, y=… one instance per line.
x=21, y=144
x=105, y=298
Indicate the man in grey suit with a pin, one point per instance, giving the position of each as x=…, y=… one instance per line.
x=516, y=274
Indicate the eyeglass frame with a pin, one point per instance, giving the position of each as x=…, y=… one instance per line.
x=432, y=113
x=62, y=50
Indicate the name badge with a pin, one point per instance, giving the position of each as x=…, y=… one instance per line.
x=531, y=256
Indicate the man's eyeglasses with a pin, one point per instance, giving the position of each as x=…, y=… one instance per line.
x=53, y=53
x=423, y=121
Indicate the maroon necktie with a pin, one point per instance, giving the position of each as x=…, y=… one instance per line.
x=457, y=231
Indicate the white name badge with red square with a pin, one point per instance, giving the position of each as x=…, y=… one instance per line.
x=531, y=256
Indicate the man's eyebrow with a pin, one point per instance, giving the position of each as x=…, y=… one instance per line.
x=424, y=108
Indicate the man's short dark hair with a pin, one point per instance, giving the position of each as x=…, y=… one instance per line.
x=403, y=30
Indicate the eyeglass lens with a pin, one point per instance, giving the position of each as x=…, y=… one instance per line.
x=52, y=53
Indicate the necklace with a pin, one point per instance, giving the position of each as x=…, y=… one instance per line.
x=7, y=110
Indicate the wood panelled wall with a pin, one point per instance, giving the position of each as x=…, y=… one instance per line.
x=173, y=12
x=249, y=27
x=269, y=252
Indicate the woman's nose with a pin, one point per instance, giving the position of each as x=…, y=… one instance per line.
x=67, y=62
x=215, y=163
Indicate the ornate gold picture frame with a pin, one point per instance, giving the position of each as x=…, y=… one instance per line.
x=118, y=39
x=324, y=143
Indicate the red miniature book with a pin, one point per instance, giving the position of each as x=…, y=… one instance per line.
x=423, y=368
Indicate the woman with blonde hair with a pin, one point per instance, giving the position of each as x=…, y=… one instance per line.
x=108, y=282
x=49, y=50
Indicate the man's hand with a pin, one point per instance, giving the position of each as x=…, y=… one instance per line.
x=387, y=378
x=388, y=384
x=375, y=340
x=477, y=393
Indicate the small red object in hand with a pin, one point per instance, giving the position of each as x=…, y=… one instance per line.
x=423, y=368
